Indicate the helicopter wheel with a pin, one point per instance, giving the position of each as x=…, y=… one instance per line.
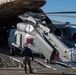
x=55, y=55
x=12, y=52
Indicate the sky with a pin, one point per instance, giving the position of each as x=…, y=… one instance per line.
x=60, y=6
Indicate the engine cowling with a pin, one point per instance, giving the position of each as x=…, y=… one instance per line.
x=73, y=37
x=70, y=35
x=58, y=32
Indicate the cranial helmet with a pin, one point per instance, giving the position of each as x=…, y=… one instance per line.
x=25, y=45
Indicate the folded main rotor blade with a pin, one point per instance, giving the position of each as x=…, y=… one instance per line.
x=68, y=16
x=68, y=12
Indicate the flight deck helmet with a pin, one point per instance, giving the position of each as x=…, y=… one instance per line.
x=25, y=45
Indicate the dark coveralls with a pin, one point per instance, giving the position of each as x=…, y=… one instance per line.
x=28, y=54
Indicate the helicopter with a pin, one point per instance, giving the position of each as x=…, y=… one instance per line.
x=34, y=31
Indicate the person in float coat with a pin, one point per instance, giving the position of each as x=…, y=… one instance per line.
x=28, y=54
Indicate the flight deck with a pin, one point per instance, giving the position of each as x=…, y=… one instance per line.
x=14, y=64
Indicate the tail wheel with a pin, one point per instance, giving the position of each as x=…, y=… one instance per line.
x=55, y=55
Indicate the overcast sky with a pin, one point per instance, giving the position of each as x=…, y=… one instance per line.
x=61, y=5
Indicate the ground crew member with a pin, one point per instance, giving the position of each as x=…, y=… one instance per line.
x=28, y=54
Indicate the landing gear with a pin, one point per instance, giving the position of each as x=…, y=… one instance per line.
x=12, y=52
x=15, y=51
